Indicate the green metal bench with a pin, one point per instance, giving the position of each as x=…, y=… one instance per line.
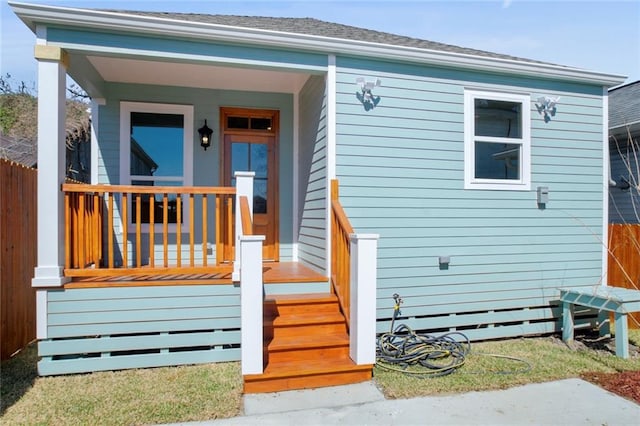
x=620, y=301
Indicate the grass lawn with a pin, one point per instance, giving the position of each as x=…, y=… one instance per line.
x=178, y=394
x=549, y=358
x=129, y=397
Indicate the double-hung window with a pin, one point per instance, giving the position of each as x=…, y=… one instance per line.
x=497, y=141
x=156, y=149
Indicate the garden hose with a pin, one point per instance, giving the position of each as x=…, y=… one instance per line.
x=406, y=351
x=403, y=348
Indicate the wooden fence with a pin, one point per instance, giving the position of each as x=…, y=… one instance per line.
x=18, y=252
x=624, y=260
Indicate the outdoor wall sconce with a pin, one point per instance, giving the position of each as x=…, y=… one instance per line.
x=205, y=136
x=546, y=105
x=365, y=96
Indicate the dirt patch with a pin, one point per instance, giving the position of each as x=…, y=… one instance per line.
x=625, y=384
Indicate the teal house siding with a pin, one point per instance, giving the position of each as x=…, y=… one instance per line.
x=401, y=170
x=101, y=329
x=313, y=174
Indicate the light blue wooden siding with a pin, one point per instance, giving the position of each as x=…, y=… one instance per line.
x=624, y=204
x=312, y=162
x=141, y=46
x=206, y=164
x=115, y=328
x=401, y=172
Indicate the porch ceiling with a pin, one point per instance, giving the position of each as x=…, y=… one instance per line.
x=123, y=70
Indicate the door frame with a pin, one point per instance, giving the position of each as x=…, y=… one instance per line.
x=274, y=178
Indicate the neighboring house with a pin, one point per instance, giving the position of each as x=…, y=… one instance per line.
x=18, y=150
x=624, y=151
x=23, y=150
x=482, y=177
x=78, y=153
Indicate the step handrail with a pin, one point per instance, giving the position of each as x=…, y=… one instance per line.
x=245, y=215
x=341, y=231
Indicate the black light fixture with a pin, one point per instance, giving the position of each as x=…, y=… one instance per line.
x=205, y=135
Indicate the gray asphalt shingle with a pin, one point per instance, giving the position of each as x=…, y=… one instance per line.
x=316, y=27
x=624, y=104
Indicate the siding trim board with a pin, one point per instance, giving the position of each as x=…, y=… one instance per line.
x=332, y=120
x=605, y=186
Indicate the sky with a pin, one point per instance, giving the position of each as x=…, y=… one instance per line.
x=599, y=36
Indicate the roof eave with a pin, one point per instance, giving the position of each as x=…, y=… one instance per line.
x=105, y=20
x=630, y=128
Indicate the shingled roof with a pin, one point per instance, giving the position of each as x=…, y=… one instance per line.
x=624, y=105
x=316, y=27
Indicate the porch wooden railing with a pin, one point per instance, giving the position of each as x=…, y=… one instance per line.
x=90, y=229
x=340, y=251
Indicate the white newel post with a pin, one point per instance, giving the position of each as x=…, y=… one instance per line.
x=52, y=63
x=244, y=187
x=364, y=263
x=251, y=303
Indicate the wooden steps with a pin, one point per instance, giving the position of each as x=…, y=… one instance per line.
x=306, y=345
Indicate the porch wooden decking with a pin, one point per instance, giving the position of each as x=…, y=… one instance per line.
x=273, y=272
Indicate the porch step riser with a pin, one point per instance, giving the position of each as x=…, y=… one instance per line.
x=275, y=289
x=304, y=330
x=306, y=382
x=272, y=311
x=307, y=354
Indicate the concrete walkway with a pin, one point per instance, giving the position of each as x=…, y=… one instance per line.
x=564, y=402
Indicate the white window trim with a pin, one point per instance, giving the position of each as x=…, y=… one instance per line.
x=126, y=108
x=470, y=182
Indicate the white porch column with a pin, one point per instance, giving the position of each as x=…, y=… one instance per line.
x=52, y=64
x=251, y=304
x=364, y=264
x=244, y=187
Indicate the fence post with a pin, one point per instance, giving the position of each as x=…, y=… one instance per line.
x=251, y=303
x=364, y=264
x=244, y=187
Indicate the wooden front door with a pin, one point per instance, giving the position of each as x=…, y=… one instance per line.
x=249, y=139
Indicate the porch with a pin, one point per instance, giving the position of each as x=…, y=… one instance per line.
x=142, y=294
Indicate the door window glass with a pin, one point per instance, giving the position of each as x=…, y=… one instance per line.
x=252, y=157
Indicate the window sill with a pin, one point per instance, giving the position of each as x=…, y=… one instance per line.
x=498, y=185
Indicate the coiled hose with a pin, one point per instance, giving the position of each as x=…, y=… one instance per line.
x=402, y=348
x=439, y=355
